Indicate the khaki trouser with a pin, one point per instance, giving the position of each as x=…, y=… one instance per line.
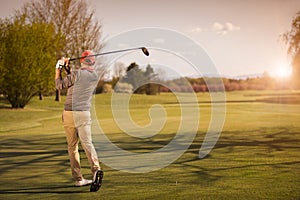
x=77, y=125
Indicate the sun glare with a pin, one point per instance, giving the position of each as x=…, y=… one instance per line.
x=281, y=71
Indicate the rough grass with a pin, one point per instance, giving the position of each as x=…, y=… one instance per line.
x=256, y=157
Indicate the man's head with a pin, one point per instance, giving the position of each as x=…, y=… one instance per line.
x=87, y=59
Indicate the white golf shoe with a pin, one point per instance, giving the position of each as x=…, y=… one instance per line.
x=83, y=182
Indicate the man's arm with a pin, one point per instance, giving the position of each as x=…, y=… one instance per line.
x=68, y=81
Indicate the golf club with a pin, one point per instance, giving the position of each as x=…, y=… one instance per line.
x=144, y=50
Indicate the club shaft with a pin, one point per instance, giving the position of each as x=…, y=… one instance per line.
x=110, y=52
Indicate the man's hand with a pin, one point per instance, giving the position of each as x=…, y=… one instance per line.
x=60, y=63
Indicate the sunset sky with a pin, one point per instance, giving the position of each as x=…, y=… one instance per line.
x=241, y=37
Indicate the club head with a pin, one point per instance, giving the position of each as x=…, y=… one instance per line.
x=145, y=51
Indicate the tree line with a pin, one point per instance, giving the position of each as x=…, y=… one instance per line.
x=210, y=84
x=147, y=81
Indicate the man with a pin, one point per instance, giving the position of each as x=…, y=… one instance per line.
x=77, y=118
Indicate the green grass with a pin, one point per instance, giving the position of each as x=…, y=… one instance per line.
x=256, y=157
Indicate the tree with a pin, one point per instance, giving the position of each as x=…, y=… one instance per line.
x=73, y=18
x=151, y=88
x=292, y=39
x=135, y=77
x=27, y=52
x=141, y=80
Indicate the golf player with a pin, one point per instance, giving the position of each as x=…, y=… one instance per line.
x=76, y=118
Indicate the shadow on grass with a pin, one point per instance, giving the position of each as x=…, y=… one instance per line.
x=46, y=190
x=265, y=140
x=271, y=140
x=17, y=153
x=233, y=151
x=28, y=164
x=255, y=148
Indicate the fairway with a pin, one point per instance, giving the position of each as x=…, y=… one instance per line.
x=256, y=157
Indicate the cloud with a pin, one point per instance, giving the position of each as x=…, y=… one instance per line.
x=223, y=29
x=197, y=30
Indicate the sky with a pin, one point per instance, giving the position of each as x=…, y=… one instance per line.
x=242, y=37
